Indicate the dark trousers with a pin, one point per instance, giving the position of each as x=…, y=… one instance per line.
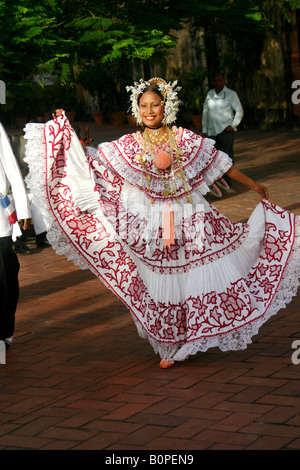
x=9, y=287
x=224, y=142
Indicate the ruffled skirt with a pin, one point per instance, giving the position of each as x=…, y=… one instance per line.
x=214, y=286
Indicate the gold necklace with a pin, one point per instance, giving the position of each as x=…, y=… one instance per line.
x=180, y=174
x=157, y=140
x=169, y=175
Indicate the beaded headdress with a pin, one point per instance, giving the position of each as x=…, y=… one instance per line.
x=169, y=91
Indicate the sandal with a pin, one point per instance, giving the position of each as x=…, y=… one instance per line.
x=166, y=363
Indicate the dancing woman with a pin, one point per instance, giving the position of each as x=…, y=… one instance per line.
x=133, y=212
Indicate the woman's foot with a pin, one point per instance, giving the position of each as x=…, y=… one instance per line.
x=166, y=363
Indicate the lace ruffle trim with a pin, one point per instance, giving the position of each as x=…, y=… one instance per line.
x=203, y=167
x=241, y=338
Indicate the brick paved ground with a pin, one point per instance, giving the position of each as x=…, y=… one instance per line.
x=78, y=376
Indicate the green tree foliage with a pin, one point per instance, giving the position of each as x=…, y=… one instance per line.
x=30, y=45
x=54, y=36
x=60, y=36
x=287, y=6
x=241, y=23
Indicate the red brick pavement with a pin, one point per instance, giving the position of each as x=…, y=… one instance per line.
x=78, y=376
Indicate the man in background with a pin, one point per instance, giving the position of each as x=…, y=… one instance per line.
x=222, y=113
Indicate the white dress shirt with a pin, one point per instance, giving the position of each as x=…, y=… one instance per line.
x=220, y=111
x=11, y=177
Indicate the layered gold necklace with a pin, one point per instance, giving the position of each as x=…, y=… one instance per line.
x=164, y=161
x=159, y=141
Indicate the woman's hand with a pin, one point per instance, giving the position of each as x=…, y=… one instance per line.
x=237, y=175
x=57, y=113
x=261, y=190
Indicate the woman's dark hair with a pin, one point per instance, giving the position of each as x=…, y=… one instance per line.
x=153, y=88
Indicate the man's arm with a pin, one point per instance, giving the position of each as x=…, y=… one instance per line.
x=238, y=109
x=14, y=176
x=204, y=119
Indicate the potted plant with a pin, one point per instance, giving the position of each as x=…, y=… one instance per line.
x=122, y=76
x=54, y=96
x=197, y=112
x=66, y=97
x=194, y=94
x=92, y=78
x=98, y=117
x=20, y=102
x=116, y=113
x=104, y=90
x=106, y=85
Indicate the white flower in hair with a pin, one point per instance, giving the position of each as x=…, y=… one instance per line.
x=168, y=91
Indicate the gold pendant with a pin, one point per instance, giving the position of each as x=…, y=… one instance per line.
x=140, y=158
x=165, y=192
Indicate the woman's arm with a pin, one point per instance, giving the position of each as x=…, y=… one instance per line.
x=237, y=175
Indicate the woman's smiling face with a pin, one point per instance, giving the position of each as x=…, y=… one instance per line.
x=151, y=109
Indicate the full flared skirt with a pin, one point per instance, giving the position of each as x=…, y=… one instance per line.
x=214, y=286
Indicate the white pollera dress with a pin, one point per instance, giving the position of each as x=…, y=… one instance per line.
x=214, y=286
